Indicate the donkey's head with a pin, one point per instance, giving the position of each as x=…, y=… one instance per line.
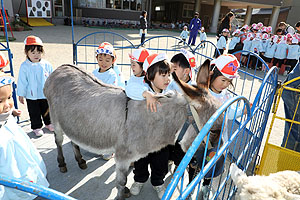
x=200, y=98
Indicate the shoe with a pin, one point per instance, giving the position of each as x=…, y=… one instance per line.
x=160, y=189
x=38, y=132
x=50, y=127
x=136, y=188
x=107, y=156
x=205, y=193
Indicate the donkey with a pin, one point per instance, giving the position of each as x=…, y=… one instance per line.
x=99, y=117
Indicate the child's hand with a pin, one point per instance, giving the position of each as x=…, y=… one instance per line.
x=245, y=111
x=21, y=99
x=151, y=101
x=16, y=113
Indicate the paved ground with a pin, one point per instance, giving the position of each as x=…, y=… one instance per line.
x=97, y=181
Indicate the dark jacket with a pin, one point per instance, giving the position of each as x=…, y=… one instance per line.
x=143, y=23
x=224, y=24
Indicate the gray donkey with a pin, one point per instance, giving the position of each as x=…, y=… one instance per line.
x=99, y=117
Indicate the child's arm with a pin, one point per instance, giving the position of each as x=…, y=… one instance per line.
x=22, y=84
x=151, y=101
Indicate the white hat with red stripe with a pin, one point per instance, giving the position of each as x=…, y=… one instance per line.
x=154, y=58
x=237, y=31
x=225, y=30
x=265, y=36
x=260, y=24
x=33, y=40
x=3, y=60
x=269, y=29
x=228, y=65
x=5, y=79
x=246, y=27
x=107, y=48
x=139, y=55
x=190, y=57
x=295, y=39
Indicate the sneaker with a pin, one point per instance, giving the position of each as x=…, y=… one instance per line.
x=50, y=127
x=107, y=156
x=136, y=188
x=38, y=132
x=160, y=189
x=205, y=193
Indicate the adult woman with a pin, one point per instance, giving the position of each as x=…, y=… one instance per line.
x=143, y=26
x=225, y=23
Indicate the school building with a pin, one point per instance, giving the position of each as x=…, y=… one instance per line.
x=270, y=12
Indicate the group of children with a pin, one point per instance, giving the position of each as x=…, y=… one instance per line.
x=185, y=34
x=151, y=75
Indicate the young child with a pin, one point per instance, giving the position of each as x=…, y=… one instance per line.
x=256, y=47
x=137, y=59
x=280, y=53
x=19, y=157
x=270, y=50
x=246, y=47
x=32, y=77
x=203, y=37
x=156, y=81
x=234, y=41
x=221, y=44
x=106, y=57
x=244, y=32
x=184, y=35
x=293, y=55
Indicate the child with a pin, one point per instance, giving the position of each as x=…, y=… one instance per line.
x=293, y=55
x=256, y=47
x=32, y=77
x=202, y=37
x=221, y=44
x=106, y=57
x=137, y=59
x=184, y=35
x=280, y=53
x=246, y=47
x=19, y=158
x=270, y=50
x=234, y=41
x=156, y=81
x=244, y=31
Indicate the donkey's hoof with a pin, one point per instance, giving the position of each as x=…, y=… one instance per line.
x=82, y=165
x=127, y=193
x=63, y=169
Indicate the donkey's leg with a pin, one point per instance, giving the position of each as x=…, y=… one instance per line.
x=78, y=156
x=122, y=168
x=59, y=138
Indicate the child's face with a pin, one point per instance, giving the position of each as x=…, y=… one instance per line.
x=161, y=81
x=136, y=68
x=35, y=55
x=181, y=73
x=6, y=100
x=225, y=33
x=220, y=83
x=105, y=61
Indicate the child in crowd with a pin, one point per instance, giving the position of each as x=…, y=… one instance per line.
x=244, y=32
x=203, y=37
x=184, y=35
x=280, y=53
x=157, y=80
x=221, y=44
x=234, y=41
x=246, y=47
x=32, y=77
x=256, y=47
x=270, y=50
x=293, y=55
x=19, y=157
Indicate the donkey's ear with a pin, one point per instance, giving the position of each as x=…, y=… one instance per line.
x=191, y=91
x=203, y=76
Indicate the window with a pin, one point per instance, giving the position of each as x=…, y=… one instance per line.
x=133, y=5
x=139, y=5
x=109, y=3
x=58, y=8
x=126, y=4
x=188, y=10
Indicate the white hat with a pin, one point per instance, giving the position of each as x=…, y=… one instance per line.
x=3, y=60
x=139, y=55
x=265, y=36
x=5, y=79
x=33, y=40
x=246, y=27
x=255, y=26
x=190, y=57
x=264, y=29
x=237, y=31
x=260, y=24
x=283, y=40
x=107, y=48
x=202, y=28
x=269, y=29
x=225, y=30
x=228, y=65
x=275, y=38
x=154, y=58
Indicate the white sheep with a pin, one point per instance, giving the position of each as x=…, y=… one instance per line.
x=284, y=185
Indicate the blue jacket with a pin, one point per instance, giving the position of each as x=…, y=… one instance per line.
x=264, y=44
x=203, y=36
x=108, y=77
x=270, y=50
x=121, y=81
x=174, y=86
x=256, y=46
x=247, y=46
x=293, y=52
x=32, y=78
x=184, y=34
x=234, y=41
x=221, y=43
x=195, y=24
x=136, y=87
x=280, y=52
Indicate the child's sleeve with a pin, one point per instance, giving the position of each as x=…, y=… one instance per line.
x=22, y=82
x=113, y=80
x=181, y=34
x=234, y=108
x=135, y=91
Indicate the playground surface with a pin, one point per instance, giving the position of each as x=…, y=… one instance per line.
x=97, y=181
